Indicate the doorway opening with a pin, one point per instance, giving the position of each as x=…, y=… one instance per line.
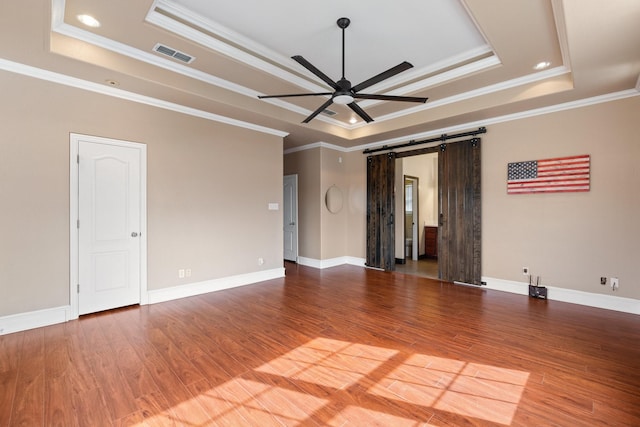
x=418, y=176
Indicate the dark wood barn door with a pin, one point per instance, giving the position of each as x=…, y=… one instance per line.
x=459, y=245
x=380, y=211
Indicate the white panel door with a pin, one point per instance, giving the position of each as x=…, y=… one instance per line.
x=109, y=212
x=290, y=208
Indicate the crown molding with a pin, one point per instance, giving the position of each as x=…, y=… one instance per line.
x=505, y=118
x=316, y=145
x=561, y=30
x=486, y=90
x=41, y=74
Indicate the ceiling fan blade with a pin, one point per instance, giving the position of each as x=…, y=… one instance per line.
x=306, y=64
x=359, y=111
x=294, y=94
x=318, y=111
x=383, y=76
x=391, y=97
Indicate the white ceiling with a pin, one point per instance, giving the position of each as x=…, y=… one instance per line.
x=378, y=37
x=472, y=58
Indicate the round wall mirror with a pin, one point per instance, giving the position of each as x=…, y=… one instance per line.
x=333, y=199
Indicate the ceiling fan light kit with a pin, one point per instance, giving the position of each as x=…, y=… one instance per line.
x=343, y=99
x=344, y=93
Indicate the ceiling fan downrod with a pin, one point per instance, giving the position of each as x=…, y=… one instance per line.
x=343, y=23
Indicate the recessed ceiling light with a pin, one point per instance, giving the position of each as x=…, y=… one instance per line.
x=541, y=65
x=353, y=120
x=112, y=82
x=89, y=21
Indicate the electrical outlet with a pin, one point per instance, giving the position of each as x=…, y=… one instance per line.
x=603, y=280
x=181, y=273
x=525, y=271
x=188, y=272
x=614, y=283
x=260, y=261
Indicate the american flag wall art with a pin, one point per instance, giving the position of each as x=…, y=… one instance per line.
x=558, y=175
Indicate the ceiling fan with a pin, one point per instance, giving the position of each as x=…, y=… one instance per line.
x=344, y=93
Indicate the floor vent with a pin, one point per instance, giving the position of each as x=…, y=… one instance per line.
x=329, y=112
x=176, y=54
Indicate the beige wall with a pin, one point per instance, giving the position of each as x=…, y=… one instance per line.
x=208, y=187
x=322, y=234
x=570, y=239
x=333, y=225
x=306, y=164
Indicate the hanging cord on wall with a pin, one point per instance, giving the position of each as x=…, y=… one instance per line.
x=441, y=138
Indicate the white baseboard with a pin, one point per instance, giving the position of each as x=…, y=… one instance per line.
x=332, y=262
x=609, y=302
x=34, y=319
x=198, y=288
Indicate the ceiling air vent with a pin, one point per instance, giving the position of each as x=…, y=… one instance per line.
x=328, y=112
x=175, y=54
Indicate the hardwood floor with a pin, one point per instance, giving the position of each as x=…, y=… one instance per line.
x=337, y=347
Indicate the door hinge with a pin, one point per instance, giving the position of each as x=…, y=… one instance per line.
x=78, y=223
x=78, y=159
x=78, y=287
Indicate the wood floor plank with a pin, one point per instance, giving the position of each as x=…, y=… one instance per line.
x=114, y=387
x=174, y=357
x=8, y=384
x=156, y=410
x=221, y=411
x=59, y=404
x=28, y=403
x=135, y=374
x=183, y=405
x=10, y=351
x=91, y=409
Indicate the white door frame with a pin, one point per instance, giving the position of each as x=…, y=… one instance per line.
x=293, y=179
x=74, y=140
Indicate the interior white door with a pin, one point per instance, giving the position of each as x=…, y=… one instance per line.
x=290, y=208
x=109, y=213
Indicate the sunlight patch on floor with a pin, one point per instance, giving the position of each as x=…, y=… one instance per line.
x=340, y=383
x=469, y=389
x=330, y=363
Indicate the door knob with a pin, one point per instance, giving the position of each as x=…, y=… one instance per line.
x=134, y=234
